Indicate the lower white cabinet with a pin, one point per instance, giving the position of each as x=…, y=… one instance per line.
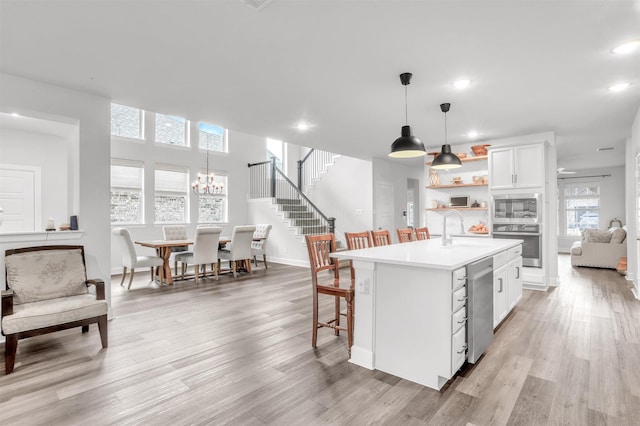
x=500, y=308
x=507, y=282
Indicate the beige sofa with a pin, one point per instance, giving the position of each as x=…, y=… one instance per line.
x=600, y=249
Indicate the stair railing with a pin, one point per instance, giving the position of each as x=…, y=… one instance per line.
x=311, y=165
x=266, y=180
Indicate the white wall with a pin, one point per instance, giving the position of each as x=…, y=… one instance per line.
x=50, y=153
x=612, y=198
x=345, y=192
x=91, y=202
x=396, y=173
x=632, y=149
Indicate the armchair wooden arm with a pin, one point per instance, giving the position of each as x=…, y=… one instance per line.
x=99, y=288
x=7, y=302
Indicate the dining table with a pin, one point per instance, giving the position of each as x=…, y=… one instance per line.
x=164, y=249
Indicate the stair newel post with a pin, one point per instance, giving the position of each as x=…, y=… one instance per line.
x=300, y=175
x=273, y=177
x=332, y=224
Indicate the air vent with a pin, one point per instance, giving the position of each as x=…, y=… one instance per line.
x=609, y=148
x=256, y=4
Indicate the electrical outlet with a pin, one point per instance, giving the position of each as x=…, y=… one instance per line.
x=363, y=286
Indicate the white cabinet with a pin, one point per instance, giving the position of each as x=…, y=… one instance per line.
x=516, y=167
x=514, y=278
x=458, y=319
x=500, y=308
x=507, y=282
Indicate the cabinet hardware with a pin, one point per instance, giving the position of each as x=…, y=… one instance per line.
x=464, y=349
x=463, y=320
x=517, y=272
x=463, y=299
x=500, y=280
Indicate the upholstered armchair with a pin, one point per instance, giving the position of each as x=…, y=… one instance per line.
x=48, y=291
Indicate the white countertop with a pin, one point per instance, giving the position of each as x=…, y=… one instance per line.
x=431, y=253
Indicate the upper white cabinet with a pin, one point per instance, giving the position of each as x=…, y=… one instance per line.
x=516, y=167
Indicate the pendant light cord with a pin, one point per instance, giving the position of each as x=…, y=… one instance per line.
x=445, y=128
x=406, y=110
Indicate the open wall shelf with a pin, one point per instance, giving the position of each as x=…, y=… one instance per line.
x=468, y=159
x=457, y=185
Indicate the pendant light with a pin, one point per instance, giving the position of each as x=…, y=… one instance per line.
x=446, y=159
x=407, y=145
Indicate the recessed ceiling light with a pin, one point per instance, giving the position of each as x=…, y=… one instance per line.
x=619, y=87
x=627, y=47
x=461, y=84
x=473, y=134
x=302, y=126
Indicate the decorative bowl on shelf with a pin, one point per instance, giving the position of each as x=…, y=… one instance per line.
x=435, y=154
x=456, y=180
x=480, y=149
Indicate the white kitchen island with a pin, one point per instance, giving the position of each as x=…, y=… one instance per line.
x=410, y=305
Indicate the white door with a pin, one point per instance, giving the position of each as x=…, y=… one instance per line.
x=20, y=198
x=384, y=206
x=501, y=168
x=529, y=166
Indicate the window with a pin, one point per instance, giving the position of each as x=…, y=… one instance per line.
x=171, y=198
x=171, y=130
x=126, y=121
x=581, y=205
x=212, y=138
x=275, y=148
x=126, y=192
x=213, y=208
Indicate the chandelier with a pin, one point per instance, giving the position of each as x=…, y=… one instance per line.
x=205, y=183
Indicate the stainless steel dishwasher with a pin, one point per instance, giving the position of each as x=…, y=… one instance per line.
x=479, y=308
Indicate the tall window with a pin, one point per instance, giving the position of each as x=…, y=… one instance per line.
x=171, y=130
x=581, y=205
x=213, y=208
x=275, y=148
x=212, y=137
x=126, y=121
x=127, y=179
x=171, y=198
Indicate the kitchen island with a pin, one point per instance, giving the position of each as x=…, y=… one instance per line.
x=410, y=304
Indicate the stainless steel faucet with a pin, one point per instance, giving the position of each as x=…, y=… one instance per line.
x=448, y=239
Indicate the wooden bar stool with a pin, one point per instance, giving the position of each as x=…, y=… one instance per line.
x=381, y=238
x=423, y=233
x=405, y=235
x=320, y=248
x=356, y=241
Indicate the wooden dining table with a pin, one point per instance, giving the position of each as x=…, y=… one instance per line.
x=164, y=249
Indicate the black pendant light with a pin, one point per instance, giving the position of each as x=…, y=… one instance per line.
x=446, y=159
x=407, y=145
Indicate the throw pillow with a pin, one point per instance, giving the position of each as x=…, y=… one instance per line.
x=596, y=236
x=618, y=236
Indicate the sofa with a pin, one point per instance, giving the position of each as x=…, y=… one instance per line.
x=600, y=248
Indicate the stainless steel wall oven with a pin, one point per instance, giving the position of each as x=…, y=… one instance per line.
x=531, y=236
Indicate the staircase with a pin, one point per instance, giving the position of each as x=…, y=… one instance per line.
x=301, y=217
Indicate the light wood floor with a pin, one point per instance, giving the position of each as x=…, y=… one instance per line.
x=238, y=351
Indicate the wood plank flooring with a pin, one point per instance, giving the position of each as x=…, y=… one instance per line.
x=238, y=351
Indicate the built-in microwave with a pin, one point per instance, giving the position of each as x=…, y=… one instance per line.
x=516, y=208
x=459, y=201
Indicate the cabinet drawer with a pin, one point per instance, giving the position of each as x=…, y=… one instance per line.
x=459, y=278
x=459, y=298
x=499, y=259
x=458, y=349
x=515, y=252
x=459, y=319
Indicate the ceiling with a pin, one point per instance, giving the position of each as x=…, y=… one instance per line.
x=535, y=66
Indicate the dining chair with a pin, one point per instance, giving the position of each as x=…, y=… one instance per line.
x=320, y=248
x=356, y=241
x=175, y=232
x=381, y=238
x=405, y=235
x=239, y=248
x=131, y=260
x=259, y=248
x=422, y=233
x=205, y=250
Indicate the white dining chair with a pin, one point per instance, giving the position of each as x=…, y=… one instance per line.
x=131, y=260
x=259, y=248
x=205, y=250
x=239, y=248
x=175, y=232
